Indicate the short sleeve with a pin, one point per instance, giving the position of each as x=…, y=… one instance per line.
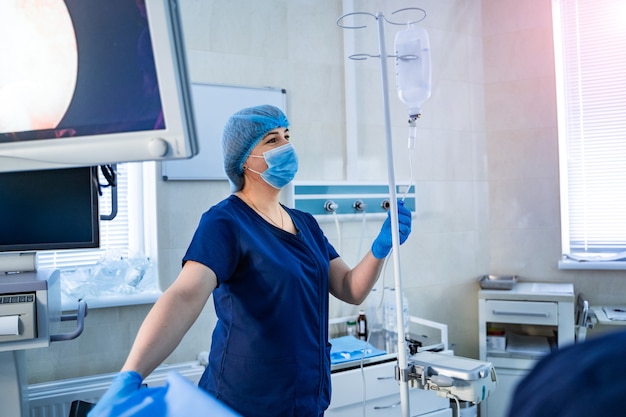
x=214, y=243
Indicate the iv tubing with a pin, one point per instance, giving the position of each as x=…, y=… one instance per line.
x=359, y=255
x=411, y=152
x=338, y=227
x=402, y=351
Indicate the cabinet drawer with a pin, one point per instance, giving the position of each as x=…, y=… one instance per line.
x=520, y=363
x=421, y=404
x=523, y=312
x=379, y=381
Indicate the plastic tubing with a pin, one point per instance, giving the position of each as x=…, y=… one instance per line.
x=338, y=227
x=362, y=238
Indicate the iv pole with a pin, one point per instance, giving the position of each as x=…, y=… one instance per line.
x=395, y=237
x=402, y=373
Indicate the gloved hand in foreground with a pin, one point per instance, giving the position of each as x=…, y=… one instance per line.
x=124, y=385
x=383, y=242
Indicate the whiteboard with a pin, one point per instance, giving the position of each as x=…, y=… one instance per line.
x=213, y=104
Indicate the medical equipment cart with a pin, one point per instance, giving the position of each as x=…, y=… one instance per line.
x=369, y=385
x=519, y=326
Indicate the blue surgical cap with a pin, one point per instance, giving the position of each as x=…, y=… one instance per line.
x=243, y=131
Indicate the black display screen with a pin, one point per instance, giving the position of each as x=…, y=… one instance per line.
x=49, y=210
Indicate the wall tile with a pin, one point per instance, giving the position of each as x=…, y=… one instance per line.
x=503, y=16
x=519, y=55
x=520, y=104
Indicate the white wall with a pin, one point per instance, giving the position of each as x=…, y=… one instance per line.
x=485, y=162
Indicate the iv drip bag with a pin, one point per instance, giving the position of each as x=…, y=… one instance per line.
x=412, y=50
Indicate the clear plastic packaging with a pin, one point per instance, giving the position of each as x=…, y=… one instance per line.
x=374, y=310
x=390, y=311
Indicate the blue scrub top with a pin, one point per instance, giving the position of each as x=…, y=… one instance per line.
x=270, y=354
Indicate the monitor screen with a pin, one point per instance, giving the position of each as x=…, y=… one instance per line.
x=92, y=82
x=49, y=210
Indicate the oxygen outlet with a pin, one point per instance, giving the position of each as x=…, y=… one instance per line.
x=330, y=206
x=359, y=206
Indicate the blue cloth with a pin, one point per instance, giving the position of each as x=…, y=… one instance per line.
x=349, y=348
x=179, y=397
x=282, y=165
x=269, y=352
x=586, y=379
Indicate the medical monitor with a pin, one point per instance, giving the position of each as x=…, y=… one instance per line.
x=49, y=210
x=92, y=82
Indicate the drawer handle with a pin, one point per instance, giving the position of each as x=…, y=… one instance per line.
x=386, y=407
x=519, y=313
x=382, y=378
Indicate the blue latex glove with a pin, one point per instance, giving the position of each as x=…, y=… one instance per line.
x=123, y=386
x=383, y=242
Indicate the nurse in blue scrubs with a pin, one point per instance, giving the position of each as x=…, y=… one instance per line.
x=270, y=270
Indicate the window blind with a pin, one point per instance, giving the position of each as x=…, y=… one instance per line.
x=590, y=49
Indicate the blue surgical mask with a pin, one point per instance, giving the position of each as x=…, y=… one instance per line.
x=282, y=165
